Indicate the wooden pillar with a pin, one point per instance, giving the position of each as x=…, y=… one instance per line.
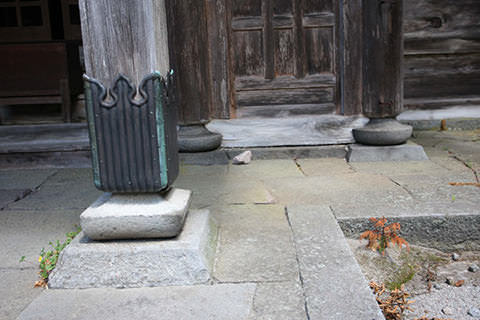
x=124, y=36
x=382, y=73
x=129, y=97
x=383, y=58
x=189, y=55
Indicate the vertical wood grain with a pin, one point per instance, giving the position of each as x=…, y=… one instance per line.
x=124, y=36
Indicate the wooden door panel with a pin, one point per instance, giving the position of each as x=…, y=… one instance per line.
x=283, y=53
x=320, y=50
x=249, y=53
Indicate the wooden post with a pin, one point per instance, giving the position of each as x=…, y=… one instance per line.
x=124, y=36
x=382, y=73
x=383, y=58
x=129, y=95
x=189, y=39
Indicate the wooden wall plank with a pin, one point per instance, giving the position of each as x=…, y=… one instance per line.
x=218, y=59
x=279, y=97
x=352, y=57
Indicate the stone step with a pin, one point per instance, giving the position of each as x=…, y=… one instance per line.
x=222, y=301
x=334, y=285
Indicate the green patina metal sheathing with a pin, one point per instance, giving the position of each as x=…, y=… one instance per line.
x=133, y=137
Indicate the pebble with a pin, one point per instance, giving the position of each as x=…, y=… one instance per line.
x=437, y=286
x=243, y=158
x=455, y=256
x=447, y=311
x=450, y=281
x=474, y=312
x=473, y=268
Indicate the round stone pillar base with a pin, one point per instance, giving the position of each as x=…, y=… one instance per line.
x=383, y=132
x=196, y=138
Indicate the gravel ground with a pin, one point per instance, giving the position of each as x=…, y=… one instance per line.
x=429, y=270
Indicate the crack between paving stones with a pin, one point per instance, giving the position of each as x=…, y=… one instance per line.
x=475, y=174
x=300, y=277
x=299, y=167
x=253, y=281
x=29, y=191
x=402, y=186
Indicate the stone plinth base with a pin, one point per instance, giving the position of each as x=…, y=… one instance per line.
x=382, y=132
x=136, y=216
x=197, y=138
x=404, y=152
x=184, y=260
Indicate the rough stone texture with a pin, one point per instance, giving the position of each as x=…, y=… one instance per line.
x=197, y=138
x=243, y=158
x=328, y=269
x=349, y=190
x=24, y=179
x=10, y=196
x=443, y=232
x=26, y=232
x=255, y=244
x=222, y=302
x=311, y=130
x=135, y=216
x=324, y=167
x=403, y=152
x=209, y=191
x=382, y=132
x=54, y=197
x=297, y=152
x=278, y=301
x=458, y=300
x=209, y=158
x=183, y=260
x=17, y=290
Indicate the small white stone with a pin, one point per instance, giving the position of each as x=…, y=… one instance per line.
x=474, y=312
x=473, y=268
x=243, y=158
x=455, y=256
x=447, y=311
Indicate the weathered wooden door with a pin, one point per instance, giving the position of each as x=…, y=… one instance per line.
x=283, y=56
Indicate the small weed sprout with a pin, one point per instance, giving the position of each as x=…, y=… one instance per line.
x=48, y=259
x=383, y=235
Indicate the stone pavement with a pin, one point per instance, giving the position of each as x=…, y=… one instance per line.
x=280, y=253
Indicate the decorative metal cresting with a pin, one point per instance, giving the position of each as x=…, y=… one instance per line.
x=133, y=140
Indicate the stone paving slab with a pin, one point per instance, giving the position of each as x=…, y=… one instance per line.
x=352, y=188
x=222, y=302
x=334, y=285
x=16, y=290
x=411, y=168
x=324, y=167
x=278, y=301
x=77, y=195
x=265, y=169
x=209, y=191
x=26, y=232
x=24, y=179
x=12, y=195
x=255, y=244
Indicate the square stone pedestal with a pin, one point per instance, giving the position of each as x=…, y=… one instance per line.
x=184, y=260
x=403, y=152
